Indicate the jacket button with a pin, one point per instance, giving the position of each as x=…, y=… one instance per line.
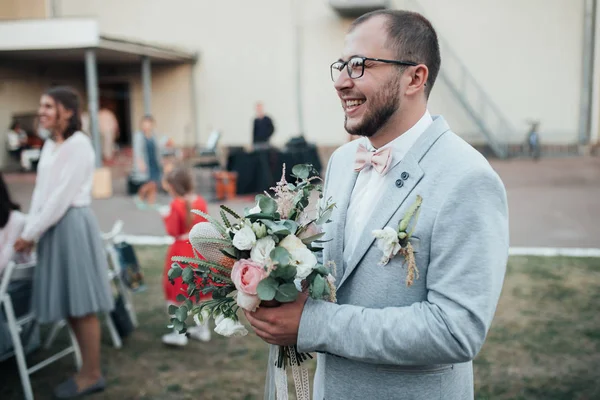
x=399, y=183
x=404, y=175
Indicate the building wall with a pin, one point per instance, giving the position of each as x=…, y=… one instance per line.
x=525, y=53
x=20, y=9
x=171, y=102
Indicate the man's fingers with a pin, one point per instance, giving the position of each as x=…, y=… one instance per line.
x=267, y=337
x=257, y=323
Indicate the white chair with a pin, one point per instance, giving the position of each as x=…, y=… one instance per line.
x=25, y=271
x=110, y=239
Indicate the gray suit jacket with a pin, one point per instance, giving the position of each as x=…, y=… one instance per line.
x=384, y=340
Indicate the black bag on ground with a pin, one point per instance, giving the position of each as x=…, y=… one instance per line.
x=121, y=318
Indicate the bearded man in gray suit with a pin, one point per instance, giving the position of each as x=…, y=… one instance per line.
x=400, y=329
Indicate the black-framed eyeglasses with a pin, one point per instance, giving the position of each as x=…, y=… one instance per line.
x=356, y=66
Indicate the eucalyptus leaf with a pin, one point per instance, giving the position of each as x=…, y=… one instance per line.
x=277, y=227
x=322, y=270
x=172, y=309
x=180, y=298
x=267, y=288
x=181, y=313
x=286, y=293
x=318, y=287
x=291, y=226
x=301, y=170
x=313, y=238
x=280, y=256
x=188, y=275
x=175, y=272
x=284, y=272
x=179, y=326
x=267, y=205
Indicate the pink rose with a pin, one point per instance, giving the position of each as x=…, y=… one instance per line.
x=246, y=275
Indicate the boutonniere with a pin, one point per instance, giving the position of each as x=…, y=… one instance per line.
x=393, y=241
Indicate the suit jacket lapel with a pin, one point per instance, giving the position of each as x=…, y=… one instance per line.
x=395, y=192
x=336, y=249
x=400, y=181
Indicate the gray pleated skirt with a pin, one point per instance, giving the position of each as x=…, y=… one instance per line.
x=71, y=276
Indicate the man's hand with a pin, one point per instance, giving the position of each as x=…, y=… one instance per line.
x=278, y=325
x=22, y=245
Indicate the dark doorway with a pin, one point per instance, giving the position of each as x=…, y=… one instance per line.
x=116, y=98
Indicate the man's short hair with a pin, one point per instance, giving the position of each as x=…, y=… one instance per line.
x=413, y=38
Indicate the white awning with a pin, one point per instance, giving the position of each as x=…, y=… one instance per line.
x=67, y=39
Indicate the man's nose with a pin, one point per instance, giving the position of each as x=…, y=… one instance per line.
x=343, y=81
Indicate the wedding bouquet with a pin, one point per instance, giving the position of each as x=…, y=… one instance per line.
x=265, y=257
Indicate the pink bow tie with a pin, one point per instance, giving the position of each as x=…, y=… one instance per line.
x=380, y=159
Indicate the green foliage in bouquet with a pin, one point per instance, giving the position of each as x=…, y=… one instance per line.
x=280, y=236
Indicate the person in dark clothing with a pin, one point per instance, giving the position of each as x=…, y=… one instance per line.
x=263, y=126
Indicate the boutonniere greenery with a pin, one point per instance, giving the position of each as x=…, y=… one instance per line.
x=397, y=241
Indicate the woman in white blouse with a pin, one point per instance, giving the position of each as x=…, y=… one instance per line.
x=71, y=277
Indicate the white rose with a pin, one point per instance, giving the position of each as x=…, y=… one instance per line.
x=261, y=251
x=229, y=327
x=244, y=238
x=291, y=243
x=247, y=301
x=301, y=256
x=387, y=242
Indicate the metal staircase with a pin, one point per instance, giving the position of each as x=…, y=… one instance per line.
x=476, y=102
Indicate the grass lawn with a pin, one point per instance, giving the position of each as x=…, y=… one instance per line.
x=544, y=344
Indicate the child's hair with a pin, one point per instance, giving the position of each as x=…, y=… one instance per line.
x=180, y=180
x=6, y=204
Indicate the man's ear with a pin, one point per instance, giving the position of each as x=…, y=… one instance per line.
x=418, y=79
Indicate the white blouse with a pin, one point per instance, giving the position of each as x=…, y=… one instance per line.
x=9, y=235
x=64, y=179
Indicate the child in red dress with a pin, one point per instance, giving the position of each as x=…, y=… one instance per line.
x=178, y=220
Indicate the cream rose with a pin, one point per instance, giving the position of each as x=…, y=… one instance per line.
x=387, y=242
x=261, y=251
x=302, y=258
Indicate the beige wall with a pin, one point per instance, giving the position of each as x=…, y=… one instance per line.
x=20, y=9
x=525, y=53
x=171, y=102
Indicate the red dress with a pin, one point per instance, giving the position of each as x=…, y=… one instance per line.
x=175, y=224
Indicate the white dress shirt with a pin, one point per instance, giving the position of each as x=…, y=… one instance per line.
x=369, y=183
x=64, y=179
x=9, y=235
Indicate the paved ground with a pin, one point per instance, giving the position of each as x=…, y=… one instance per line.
x=553, y=203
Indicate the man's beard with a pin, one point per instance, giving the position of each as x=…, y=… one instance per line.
x=382, y=107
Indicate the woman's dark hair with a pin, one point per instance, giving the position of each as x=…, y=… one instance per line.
x=6, y=204
x=69, y=99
